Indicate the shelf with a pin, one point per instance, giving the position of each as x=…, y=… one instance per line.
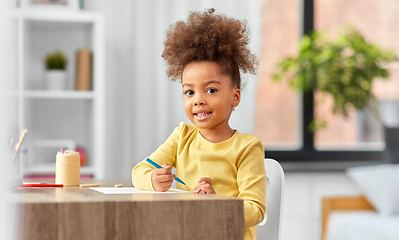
x=59, y=15
x=51, y=116
x=49, y=168
x=70, y=94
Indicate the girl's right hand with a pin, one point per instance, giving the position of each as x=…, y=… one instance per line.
x=162, y=178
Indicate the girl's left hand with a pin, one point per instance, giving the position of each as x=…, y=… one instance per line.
x=204, y=186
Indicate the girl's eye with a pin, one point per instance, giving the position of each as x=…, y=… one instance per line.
x=211, y=90
x=188, y=92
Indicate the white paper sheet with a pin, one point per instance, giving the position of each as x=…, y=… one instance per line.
x=131, y=190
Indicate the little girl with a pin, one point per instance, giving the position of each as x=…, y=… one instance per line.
x=206, y=53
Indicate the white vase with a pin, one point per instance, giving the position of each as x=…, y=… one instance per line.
x=55, y=79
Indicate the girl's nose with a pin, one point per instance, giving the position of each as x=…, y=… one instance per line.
x=198, y=100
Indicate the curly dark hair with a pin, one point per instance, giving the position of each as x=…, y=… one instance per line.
x=207, y=36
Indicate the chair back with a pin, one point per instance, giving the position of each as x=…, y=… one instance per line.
x=270, y=227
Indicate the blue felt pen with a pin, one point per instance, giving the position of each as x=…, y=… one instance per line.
x=157, y=166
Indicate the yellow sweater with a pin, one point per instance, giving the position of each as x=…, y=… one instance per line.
x=236, y=167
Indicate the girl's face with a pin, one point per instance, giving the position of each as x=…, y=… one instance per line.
x=209, y=96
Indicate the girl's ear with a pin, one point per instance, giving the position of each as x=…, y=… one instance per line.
x=236, y=97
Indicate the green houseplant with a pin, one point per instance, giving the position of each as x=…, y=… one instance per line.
x=56, y=60
x=55, y=63
x=344, y=68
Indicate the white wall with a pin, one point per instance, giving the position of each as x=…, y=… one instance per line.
x=143, y=105
x=8, y=113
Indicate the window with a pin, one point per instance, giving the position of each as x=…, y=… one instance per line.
x=277, y=106
x=281, y=113
x=378, y=22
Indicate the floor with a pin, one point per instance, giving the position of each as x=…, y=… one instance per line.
x=302, y=201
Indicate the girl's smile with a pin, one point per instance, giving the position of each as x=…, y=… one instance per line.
x=202, y=115
x=209, y=98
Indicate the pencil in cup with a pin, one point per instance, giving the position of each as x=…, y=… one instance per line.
x=157, y=166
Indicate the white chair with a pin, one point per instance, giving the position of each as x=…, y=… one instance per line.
x=270, y=227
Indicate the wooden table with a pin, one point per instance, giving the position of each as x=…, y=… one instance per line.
x=82, y=213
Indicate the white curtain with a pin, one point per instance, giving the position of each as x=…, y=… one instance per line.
x=144, y=106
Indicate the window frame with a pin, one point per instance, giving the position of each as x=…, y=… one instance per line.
x=308, y=153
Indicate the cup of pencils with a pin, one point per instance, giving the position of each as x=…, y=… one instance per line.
x=67, y=168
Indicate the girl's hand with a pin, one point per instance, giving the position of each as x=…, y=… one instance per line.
x=204, y=186
x=162, y=178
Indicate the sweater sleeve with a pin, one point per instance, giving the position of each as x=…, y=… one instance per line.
x=251, y=180
x=166, y=153
x=141, y=176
